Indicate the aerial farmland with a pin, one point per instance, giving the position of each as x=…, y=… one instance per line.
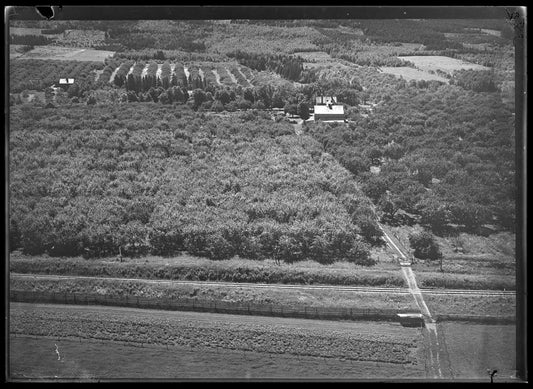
x=307, y=199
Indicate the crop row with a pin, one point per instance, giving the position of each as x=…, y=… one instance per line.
x=178, y=77
x=200, y=76
x=225, y=78
x=209, y=76
x=241, y=80
x=195, y=80
x=110, y=66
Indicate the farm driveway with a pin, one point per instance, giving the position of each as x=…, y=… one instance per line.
x=437, y=355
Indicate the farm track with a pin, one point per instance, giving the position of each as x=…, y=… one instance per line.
x=217, y=76
x=359, y=289
x=131, y=69
x=232, y=76
x=438, y=358
x=112, y=77
x=246, y=78
x=145, y=70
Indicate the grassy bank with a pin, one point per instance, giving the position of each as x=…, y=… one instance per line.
x=202, y=269
x=461, y=306
x=444, y=307
x=439, y=280
x=245, y=294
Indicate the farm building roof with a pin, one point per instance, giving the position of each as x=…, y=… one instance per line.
x=325, y=110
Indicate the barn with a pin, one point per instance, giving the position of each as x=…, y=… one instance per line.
x=326, y=108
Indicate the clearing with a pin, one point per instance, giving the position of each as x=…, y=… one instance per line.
x=442, y=63
x=412, y=74
x=68, y=54
x=24, y=31
x=475, y=348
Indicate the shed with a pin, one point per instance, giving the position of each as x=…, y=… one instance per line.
x=411, y=319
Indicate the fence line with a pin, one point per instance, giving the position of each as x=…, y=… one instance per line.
x=189, y=304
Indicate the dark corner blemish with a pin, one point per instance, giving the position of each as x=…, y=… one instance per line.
x=47, y=12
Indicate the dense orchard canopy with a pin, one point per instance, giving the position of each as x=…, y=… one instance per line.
x=146, y=178
x=441, y=150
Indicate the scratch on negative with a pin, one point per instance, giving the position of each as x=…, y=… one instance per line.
x=57, y=352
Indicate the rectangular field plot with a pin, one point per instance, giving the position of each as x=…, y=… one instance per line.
x=475, y=348
x=412, y=74
x=68, y=54
x=442, y=63
x=24, y=31
x=207, y=343
x=91, y=360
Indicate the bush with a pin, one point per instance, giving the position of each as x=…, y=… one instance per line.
x=370, y=230
x=359, y=254
x=35, y=234
x=425, y=246
x=166, y=243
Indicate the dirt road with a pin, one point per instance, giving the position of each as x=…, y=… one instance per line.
x=437, y=356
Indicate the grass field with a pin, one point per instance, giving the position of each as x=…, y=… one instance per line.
x=33, y=357
x=24, y=31
x=212, y=344
x=475, y=348
x=475, y=305
x=468, y=256
x=412, y=74
x=442, y=63
x=186, y=267
x=67, y=54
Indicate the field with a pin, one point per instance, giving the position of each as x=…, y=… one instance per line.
x=33, y=357
x=39, y=74
x=473, y=349
x=24, y=31
x=297, y=297
x=185, y=267
x=315, y=57
x=445, y=306
x=442, y=63
x=16, y=51
x=364, y=349
x=412, y=74
x=67, y=54
x=261, y=39
x=180, y=172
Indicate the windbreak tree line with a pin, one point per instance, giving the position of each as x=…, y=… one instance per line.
x=288, y=67
x=146, y=179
